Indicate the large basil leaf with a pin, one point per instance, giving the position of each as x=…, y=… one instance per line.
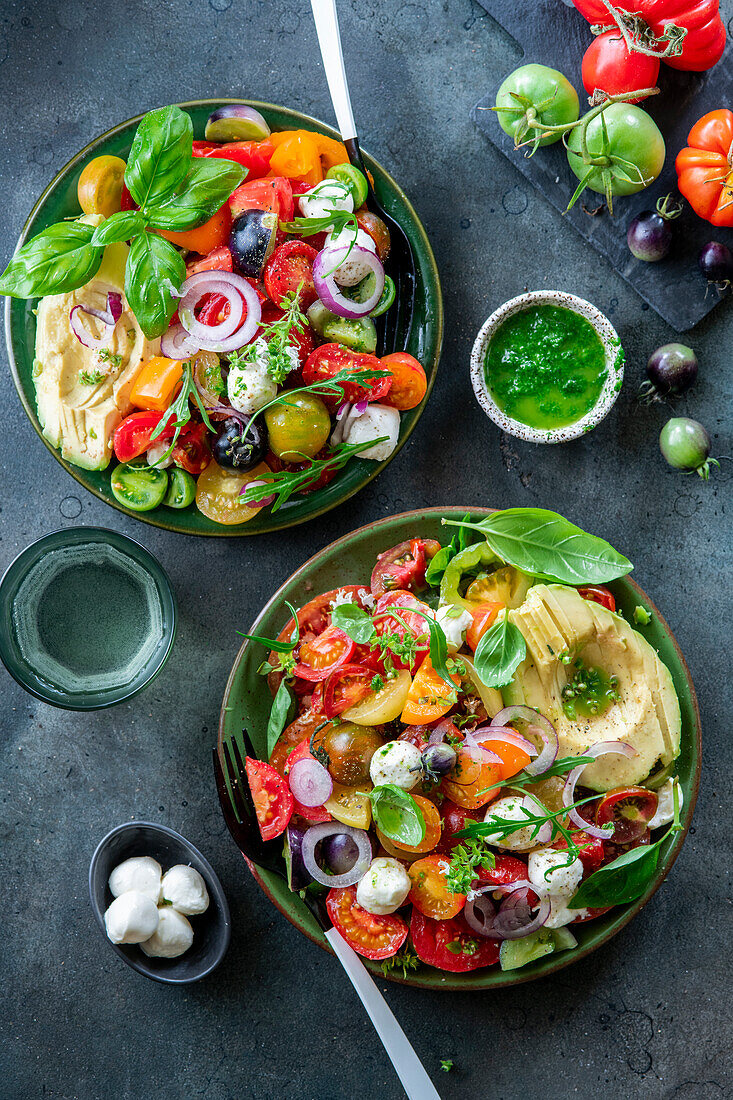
x=354, y=622
x=500, y=651
x=552, y=548
x=122, y=226
x=397, y=814
x=160, y=156
x=619, y=882
x=154, y=270
x=205, y=189
x=283, y=708
x=59, y=259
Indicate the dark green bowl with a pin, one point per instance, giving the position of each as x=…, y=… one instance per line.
x=349, y=560
x=59, y=201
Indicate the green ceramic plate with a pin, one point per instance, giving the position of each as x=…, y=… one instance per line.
x=59, y=201
x=350, y=561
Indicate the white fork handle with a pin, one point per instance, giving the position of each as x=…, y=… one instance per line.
x=410, y=1069
x=329, y=39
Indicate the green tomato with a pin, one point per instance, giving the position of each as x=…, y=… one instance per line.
x=182, y=489
x=355, y=180
x=140, y=488
x=625, y=150
x=300, y=425
x=532, y=97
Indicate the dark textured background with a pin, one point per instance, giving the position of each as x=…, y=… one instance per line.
x=648, y=1015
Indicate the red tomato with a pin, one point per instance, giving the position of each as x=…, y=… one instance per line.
x=377, y=229
x=608, y=65
x=301, y=729
x=344, y=688
x=273, y=194
x=132, y=437
x=598, y=593
x=327, y=475
x=373, y=937
x=408, y=623
x=255, y=156
x=403, y=566
x=508, y=869
x=219, y=259
x=314, y=814
x=592, y=849
x=322, y=655
x=592, y=914
x=192, y=451
x=272, y=798
x=329, y=359
x=303, y=342
x=630, y=809
x=290, y=269
x=454, y=819
x=409, y=383
x=451, y=944
x=613, y=851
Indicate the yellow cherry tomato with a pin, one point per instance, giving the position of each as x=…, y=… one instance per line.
x=350, y=805
x=100, y=186
x=218, y=493
x=157, y=383
x=429, y=696
x=298, y=426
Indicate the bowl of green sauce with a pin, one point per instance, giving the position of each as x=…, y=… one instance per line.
x=547, y=366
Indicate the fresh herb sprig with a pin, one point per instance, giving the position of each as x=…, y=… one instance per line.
x=332, y=221
x=503, y=827
x=464, y=861
x=523, y=780
x=277, y=337
x=285, y=483
x=405, y=960
x=334, y=386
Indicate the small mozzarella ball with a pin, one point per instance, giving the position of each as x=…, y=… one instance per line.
x=185, y=889
x=172, y=937
x=454, y=622
x=250, y=388
x=156, y=452
x=378, y=420
x=131, y=918
x=345, y=237
x=354, y=266
x=397, y=762
x=324, y=197
x=510, y=808
x=384, y=887
x=560, y=915
x=552, y=872
x=665, y=807
x=141, y=873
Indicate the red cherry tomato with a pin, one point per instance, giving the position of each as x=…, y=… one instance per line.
x=403, y=566
x=303, y=342
x=630, y=809
x=314, y=814
x=272, y=798
x=454, y=819
x=507, y=869
x=372, y=936
x=322, y=655
x=409, y=623
x=290, y=270
x=132, y=437
x=409, y=382
x=609, y=65
x=274, y=194
x=344, y=688
x=329, y=359
x=592, y=849
x=598, y=593
x=255, y=156
x=192, y=451
x=451, y=944
x=219, y=259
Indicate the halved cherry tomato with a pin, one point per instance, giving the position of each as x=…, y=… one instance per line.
x=314, y=814
x=429, y=697
x=598, y=593
x=430, y=893
x=219, y=259
x=205, y=238
x=294, y=734
x=344, y=688
x=507, y=869
x=329, y=359
x=433, y=827
x=372, y=936
x=377, y=230
x=290, y=270
x=451, y=944
x=409, y=623
x=331, y=152
x=613, y=851
x=255, y=156
x=454, y=820
x=132, y=437
x=592, y=849
x=272, y=798
x=630, y=809
x=296, y=156
x=275, y=195
x=403, y=566
x=591, y=914
x=303, y=342
x=467, y=784
x=482, y=617
x=322, y=655
x=409, y=383
x=192, y=451
x=326, y=477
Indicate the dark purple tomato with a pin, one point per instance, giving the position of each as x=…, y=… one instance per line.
x=716, y=263
x=671, y=370
x=649, y=237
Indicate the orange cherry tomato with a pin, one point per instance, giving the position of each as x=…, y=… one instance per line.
x=429, y=696
x=705, y=167
x=157, y=383
x=482, y=618
x=430, y=893
x=409, y=383
x=468, y=782
x=212, y=234
x=432, y=827
x=296, y=156
x=377, y=230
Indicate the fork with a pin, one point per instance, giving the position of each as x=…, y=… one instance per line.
x=239, y=814
x=398, y=320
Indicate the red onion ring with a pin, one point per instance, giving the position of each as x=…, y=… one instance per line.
x=176, y=343
x=310, y=782
x=507, y=735
x=480, y=912
x=514, y=918
x=325, y=269
x=316, y=833
x=601, y=748
x=107, y=317
x=238, y=292
x=536, y=723
x=263, y=502
x=477, y=752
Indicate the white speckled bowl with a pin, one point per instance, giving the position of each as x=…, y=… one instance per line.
x=607, y=396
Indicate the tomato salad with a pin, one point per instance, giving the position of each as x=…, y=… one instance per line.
x=460, y=808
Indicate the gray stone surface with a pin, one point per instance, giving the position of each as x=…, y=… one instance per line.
x=648, y=1015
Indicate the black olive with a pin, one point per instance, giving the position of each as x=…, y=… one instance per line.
x=252, y=240
x=231, y=448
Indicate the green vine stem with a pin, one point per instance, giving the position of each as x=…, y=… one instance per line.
x=638, y=35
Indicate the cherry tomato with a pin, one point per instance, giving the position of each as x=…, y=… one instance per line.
x=350, y=749
x=219, y=259
x=322, y=655
x=290, y=270
x=451, y=944
x=403, y=566
x=372, y=936
x=507, y=869
x=192, y=451
x=345, y=688
x=219, y=493
x=377, y=230
x=315, y=814
x=613, y=851
x=409, y=624
x=255, y=156
x=296, y=156
x=303, y=342
x=205, y=238
x=100, y=186
x=598, y=593
x=329, y=359
x=454, y=820
x=630, y=809
x=467, y=784
x=326, y=477
x=482, y=617
x=271, y=796
x=409, y=383
x=433, y=827
x=430, y=893
x=592, y=849
x=608, y=64
x=132, y=437
x=275, y=195
x=429, y=697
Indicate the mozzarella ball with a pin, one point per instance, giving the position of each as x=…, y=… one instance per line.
x=384, y=887
x=664, y=814
x=326, y=196
x=377, y=421
x=345, y=236
x=354, y=266
x=397, y=762
x=249, y=388
x=172, y=937
x=553, y=872
x=141, y=873
x=510, y=808
x=560, y=915
x=185, y=889
x=454, y=622
x=131, y=918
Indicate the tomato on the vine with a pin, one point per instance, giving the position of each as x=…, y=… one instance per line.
x=372, y=936
x=609, y=65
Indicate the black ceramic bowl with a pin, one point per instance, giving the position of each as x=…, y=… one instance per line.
x=211, y=930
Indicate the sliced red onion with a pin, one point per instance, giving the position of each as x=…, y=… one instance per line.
x=480, y=912
x=316, y=833
x=510, y=736
x=349, y=414
x=176, y=343
x=238, y=293
x=508, y=887
x=601, y=748
x=310, y=782
x=263, y=502
x=544, y=833
x=514, y=919
x=477, y=752
x=536, y=724
x=325, y=269
x=107, y=317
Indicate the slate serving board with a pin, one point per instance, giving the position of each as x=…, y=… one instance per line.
x=553, y=33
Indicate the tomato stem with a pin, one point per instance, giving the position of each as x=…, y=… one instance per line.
x=638, y=35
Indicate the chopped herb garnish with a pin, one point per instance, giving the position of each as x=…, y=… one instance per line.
x=404, y=960
x=106, y=356
x=91, y=377
x=464, y=860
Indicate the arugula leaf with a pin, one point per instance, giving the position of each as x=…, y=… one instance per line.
x=550, y=547
x=285, y=483
x=397, y=814
x=160, y=155
x=154, y=270
x=206, y=187
x=499, y=653
x=121, y=226
x=283, y=708
x=274, y=643
x=354, y=622
x=334, y=220
x=59, y=259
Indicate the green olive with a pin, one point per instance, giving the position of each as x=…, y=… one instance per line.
x=299, y=425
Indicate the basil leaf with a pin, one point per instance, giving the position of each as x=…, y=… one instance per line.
x=437, y=565
x=619, y=882
x=154, y=270
x=499, y=653
x=205, y=189
x=354, y=622
x=551, y=548
x=59, y=259
x=122, y=226
x=283, y=707
x=274, y=643
x=160, y=155
x=397, y=814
